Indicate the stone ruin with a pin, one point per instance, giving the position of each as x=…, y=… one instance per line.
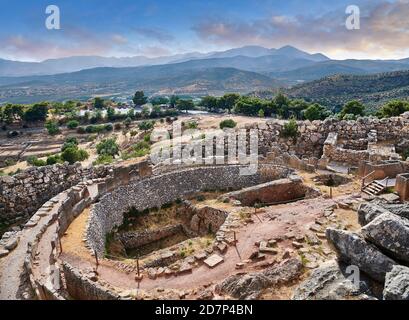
x=51, y=198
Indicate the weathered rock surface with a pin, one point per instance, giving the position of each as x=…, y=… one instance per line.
x=331, y=282
x=391, y=233
x=368, y=212
x=401, y=210
x=250, y=286
x=397, y=284
x=354, y=250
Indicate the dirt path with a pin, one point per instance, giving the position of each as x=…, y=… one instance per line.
x=296, y=217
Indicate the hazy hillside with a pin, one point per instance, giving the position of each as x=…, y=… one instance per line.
x=373, y=90
x=166, y=79
x=319, y=70
x=245, y=58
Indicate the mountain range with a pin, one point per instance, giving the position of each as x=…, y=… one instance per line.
x=243, y=70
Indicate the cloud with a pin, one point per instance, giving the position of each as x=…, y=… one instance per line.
x=384, y=31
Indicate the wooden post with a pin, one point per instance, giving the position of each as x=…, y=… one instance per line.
x=59, y=241
x=137, y=267
x=96, y=259
x=234, y=237
x=330, y=192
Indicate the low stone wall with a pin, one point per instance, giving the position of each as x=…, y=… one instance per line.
x=24, y=193
x=135, y=239
x=402, y=186
x=156, y=191
x=79, y=286
x=313, y=134
x=381, y=170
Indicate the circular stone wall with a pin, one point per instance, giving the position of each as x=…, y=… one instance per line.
x=158, y=190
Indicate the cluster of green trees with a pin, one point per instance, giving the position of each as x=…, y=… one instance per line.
x=10, y=113
x=70, y=152
x=285, y=108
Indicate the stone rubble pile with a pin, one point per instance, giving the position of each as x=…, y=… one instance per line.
x=380, y=250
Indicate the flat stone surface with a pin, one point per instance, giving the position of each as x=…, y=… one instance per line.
x=200, y=256
x=213, y=260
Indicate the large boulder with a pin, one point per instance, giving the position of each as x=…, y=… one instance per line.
x=354, y=250
x=399, y=209
x=331, y=282
x=389, y=232
x=369, y=211
x=397, y=284
x=250, y=286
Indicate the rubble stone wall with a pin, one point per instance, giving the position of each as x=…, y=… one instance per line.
x=156, y=191
x=312, y=134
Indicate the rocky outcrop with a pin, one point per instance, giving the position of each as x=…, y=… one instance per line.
x=369, y=211
x=397, y=284
x=250, y=286
x=332, y=282
x=391, y=233
x=399, y=209
x=354, y=250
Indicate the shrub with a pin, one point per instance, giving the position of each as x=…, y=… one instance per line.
x=146, y=125
x=290, y=129
x=108, y=146
x=70, y=143
x=72, y=124
x=127, y=122
x=52, y=127
x=104, y=159
x=34, y=161
x=406, y=154
x=74, y=154
x=53, y=159
x=117, y=126
x=228, y=123
x=192, y=125
x=109, y=127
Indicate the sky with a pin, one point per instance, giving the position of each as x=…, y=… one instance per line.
x=164, y=27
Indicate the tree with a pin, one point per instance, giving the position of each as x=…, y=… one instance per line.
x=316, y=112
x=185, y=105
x=228, y=101
x=393, y=109
x=297, y=106
x=282, y=104
x=139, y=98
x=261, y=113
x=70, y=142
x=173, y=101
x=145, y=125
x=159, y=100
x=72, y=124
x=74, y=154
x=11, y=112
x=36, y=112
x=99, y=103
x=111, y=113
x=52, y=127
x=127, y=122
x=210, y=103
x=290, y=129
x=353, y=107
x=108, y=147
x=228, y=123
